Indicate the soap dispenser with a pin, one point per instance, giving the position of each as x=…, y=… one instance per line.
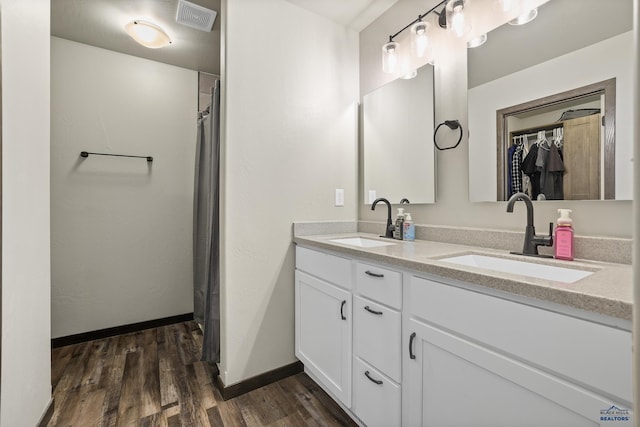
x=563, y=242
x=408, y=228
x=397, y=231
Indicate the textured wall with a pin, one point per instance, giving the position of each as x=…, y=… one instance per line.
x=289, y=91
x=120, y=228
x=26, y=363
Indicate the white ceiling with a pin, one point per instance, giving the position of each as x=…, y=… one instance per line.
x=101, y=23
x=356, y=14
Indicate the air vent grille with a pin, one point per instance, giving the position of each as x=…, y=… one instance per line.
x=195, y=16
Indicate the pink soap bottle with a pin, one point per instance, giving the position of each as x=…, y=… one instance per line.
x=563, y=242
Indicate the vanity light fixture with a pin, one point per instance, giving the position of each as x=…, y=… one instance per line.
x=525, y=18
x=477, y=41
x=451, y=16
x=147, y=34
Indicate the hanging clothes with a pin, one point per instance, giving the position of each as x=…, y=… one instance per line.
x=553, y=187
x=528, y=167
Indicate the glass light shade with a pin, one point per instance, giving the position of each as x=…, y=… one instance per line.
x=457, y=21
x=390, y=57
x=419, y=39
x=477, y=41
x=147, y=34
x=525, y=17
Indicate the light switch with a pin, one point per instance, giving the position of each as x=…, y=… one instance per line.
x=339, y=196
x=372, y=196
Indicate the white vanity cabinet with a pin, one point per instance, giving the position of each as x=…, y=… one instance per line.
x=377, y=345
x=323, y=320
x=478, y=360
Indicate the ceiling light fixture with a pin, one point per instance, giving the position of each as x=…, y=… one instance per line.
x=525, y=18
x=148, y=34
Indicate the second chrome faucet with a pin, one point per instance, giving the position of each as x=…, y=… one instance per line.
x=531, y=240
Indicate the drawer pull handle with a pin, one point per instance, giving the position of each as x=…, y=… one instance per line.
x=377, y=313
x=366, y=374
x=369, y=273
x=342, y=310
x=411, y=338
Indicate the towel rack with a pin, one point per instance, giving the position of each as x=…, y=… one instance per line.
x=86, y=154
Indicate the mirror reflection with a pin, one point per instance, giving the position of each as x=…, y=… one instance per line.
x=559, y=87
x=397, y=140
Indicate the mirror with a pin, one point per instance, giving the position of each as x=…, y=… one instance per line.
x=526, y=74
x=397, y=140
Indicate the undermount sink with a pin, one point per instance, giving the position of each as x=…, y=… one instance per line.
x=362, y=242
x=523, y=268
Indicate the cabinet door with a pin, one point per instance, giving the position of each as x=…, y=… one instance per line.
x=454, y=382
x=323, y=333
x=582, y=158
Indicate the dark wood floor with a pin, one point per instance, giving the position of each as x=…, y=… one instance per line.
x=155, y=378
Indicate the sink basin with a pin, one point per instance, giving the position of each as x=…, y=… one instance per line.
x=362, y=242
x=523, y=268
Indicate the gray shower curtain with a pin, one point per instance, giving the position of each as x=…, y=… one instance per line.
x=206, y=241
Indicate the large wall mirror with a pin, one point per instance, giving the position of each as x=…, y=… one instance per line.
x=397, y=140
x=563, y=84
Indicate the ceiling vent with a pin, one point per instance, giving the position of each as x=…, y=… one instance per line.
x=195, y=16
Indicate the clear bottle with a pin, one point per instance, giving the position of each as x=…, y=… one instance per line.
x=397, y=231
x=563, y=241
x=408, y=228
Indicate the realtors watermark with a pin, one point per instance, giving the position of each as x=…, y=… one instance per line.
x=614, y=414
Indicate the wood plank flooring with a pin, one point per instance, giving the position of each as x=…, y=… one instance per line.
x=154, y=378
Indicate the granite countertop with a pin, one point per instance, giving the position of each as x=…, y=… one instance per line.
x=607, y=291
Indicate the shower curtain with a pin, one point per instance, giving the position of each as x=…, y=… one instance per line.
x=206, y=241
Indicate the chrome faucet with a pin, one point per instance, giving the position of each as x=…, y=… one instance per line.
x=531, y=240
x=390, y=226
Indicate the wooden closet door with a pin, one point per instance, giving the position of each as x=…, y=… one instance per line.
x=582, y=158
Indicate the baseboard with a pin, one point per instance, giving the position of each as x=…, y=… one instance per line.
x=119, y=330
x=46, y=416
x=258, y=381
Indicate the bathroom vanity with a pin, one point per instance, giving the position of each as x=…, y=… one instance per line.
x=399, y=335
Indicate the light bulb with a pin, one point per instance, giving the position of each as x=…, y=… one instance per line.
x=390, y=57
x=419, y=39
x=457, y=22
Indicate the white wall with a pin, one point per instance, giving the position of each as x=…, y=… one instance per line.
x=121, y=228
x=601, y=61
x=452, y=191
x=26, y=364
x=289, y=140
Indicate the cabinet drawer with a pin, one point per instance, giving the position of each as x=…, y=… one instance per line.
x=377, y=336
x=375, y=403
x=587, y=352
x=331, y=268
x=379, y=284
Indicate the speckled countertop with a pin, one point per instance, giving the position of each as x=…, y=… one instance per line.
x=607, y=291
